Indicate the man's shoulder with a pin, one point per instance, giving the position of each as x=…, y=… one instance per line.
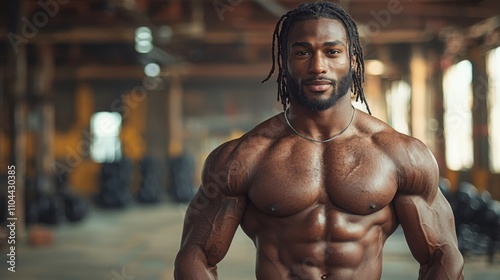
x=261, y=137
x=236, y=159
x=250, y=144
x=412, y=159
x=387, y=138
x=403, y=149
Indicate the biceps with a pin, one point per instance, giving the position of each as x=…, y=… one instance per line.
x=428, y=226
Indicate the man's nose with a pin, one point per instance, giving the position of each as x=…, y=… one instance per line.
x=318, y=65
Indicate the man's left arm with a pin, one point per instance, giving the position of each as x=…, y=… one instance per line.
x=426, y=217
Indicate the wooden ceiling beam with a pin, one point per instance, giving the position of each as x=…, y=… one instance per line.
x=252, y=70
x=116, y=72
x=88, y=35
x=99, y=72
x=421, y=11
x=126, y=35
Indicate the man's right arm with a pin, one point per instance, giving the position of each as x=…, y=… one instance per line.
x=211, y=220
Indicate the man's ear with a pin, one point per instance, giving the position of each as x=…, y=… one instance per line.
x=353, y=62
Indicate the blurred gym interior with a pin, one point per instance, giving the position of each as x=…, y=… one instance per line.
x=108, y=109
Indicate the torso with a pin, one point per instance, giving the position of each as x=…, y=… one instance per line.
x=317, y=211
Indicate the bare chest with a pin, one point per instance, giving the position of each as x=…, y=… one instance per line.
x=287, y=182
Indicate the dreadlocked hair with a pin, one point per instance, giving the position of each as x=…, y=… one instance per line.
x=315, y=11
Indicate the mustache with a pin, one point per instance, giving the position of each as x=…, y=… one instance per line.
x=320, y=78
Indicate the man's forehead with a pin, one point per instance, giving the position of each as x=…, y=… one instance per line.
x=323, y=28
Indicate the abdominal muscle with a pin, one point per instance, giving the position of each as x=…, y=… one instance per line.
x=318, y=243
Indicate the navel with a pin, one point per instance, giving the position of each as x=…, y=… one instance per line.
x=372, y=206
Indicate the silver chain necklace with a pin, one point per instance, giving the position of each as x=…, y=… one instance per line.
x=320, y=141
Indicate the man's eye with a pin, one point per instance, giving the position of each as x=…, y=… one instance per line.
x=333, y=52
x=301, y=53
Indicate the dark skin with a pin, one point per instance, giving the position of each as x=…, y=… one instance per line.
x=320, y=210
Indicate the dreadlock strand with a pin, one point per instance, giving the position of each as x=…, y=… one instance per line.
x=275, y=34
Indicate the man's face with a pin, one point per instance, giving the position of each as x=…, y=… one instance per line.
x=318, y=68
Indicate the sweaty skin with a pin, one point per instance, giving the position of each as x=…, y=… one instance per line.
x=319, y=210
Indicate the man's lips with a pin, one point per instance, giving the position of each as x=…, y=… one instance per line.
x=318, y=85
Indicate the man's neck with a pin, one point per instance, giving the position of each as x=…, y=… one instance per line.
x=323, y=124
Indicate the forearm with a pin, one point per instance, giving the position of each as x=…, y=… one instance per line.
x=443, y=265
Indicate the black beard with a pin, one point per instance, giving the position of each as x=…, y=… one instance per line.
x=340, y=88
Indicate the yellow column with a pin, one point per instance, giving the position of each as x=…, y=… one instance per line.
x=174, y=105
x=373, y=88
x=419, y=114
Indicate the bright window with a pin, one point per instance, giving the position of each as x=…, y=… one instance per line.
x=493, y=63
x=457, y=88
x=398, y=102
x=105, y=127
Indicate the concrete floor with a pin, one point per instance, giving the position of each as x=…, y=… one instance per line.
x=140, y=243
